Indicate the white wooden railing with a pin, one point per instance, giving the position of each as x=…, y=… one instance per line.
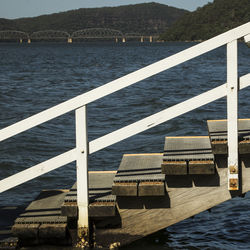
x=79, y=104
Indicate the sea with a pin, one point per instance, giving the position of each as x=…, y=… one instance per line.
x=37, y=76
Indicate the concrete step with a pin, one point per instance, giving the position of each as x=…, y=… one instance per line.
x=139, y=175
x=188, y=155
x=217, y=130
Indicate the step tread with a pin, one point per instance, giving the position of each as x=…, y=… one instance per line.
x=46, y=208
x=187, y=148
x=102, y=203
x=140, y=167
x=42, y=219
x=100, y=187
x=188, y=155
x=140, y=175
x=218, y=129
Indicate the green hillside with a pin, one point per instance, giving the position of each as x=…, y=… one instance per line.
x=210, y=20
x=6, y=24
x=148, y=19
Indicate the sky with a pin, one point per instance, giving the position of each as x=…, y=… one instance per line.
x=12, y=9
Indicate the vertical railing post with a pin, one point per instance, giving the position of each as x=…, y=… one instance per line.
x=232, y=115
x=82, y=172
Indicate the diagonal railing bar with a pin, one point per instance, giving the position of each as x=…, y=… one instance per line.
x=124, y=81
x=37, y=170
x=163, y=116
x=123, y=133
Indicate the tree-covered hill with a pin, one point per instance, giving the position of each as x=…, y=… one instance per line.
x=148, y=19
x=6, y=24
x=210, y=20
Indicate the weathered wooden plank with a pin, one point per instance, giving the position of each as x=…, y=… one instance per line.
x=151, y=188
x=102, y=202
x=46, y=209
x=219, y=147
x=69, y=209
x=139, y=168
x=245, y=163
x=125, y=188
x=204, y=193
x=187, y=148
x=244, y=147
x=26, y=231
x=201, y=167
x=187, y=155
x=174, y=168
x=102, y=209
x=54, y=231
x=100, y=186
x=96, y=209
x=218, y=136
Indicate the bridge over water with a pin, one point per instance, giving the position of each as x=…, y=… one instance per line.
x=79, y=35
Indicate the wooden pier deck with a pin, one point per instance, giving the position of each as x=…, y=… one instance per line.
x=147, y=193
x=136, y=217
x=185, y=197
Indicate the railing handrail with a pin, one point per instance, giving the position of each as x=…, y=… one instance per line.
x=124, y=81
x=121, y=134
x=164, y=115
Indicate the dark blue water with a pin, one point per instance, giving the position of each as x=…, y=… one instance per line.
x=35, y=77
